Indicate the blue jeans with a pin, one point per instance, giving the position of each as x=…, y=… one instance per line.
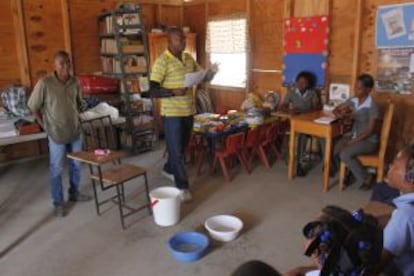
x=177, y=135
x=57, y=157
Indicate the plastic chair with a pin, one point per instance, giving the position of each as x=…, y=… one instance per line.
x=234, y=147
x=269, y=145
x=375, y=160
x=252, y=144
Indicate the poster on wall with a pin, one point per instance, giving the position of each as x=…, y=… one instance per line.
x=305, y=44
x=395, y=26
x=395, y=71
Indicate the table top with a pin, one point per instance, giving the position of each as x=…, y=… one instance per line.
x=311, y=116
x=89, y=157
x=282, y=114
x=22, y=138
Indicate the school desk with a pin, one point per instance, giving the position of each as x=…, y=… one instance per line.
x=304, y=124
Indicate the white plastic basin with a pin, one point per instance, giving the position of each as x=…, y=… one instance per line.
x=224, y=227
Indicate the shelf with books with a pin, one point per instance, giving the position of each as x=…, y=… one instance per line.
x=117, y=12
x=124, y=55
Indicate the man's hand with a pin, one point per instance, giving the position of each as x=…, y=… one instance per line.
x=180, y=92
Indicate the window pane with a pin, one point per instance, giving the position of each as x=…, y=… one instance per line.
x=232, y=69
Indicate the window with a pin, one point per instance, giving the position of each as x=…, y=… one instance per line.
x=227, y=45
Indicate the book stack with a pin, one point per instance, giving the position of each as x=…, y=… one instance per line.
x=128, y=46
x=125, y=22
x=135, y=85
x=132, y=64
x=111, y=65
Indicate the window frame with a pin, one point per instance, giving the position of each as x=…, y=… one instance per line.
x=247, y=53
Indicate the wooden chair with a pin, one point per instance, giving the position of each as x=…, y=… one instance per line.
x=116, y=177
x=98, y=133
x=375, y=160
x=234, y=148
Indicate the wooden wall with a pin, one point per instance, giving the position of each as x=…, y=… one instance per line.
x=352, y=49
x=403, y=124
x=43, y=24
x=33, y=30
x=9, y=69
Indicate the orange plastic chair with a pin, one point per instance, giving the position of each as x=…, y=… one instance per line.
x=234, y=147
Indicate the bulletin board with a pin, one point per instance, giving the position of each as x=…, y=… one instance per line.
x=305, y=48
x=395, y=70
x=395, y=26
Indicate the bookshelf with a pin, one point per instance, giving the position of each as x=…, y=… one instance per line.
x=124, y=55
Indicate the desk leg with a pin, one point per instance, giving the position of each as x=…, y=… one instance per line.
x=95, y=193
x=292, y=150
x=327, y=162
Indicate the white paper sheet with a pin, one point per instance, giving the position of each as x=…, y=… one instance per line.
x=195, y=78
x=325, y=120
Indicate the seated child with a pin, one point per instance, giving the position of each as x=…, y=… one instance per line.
x=399, y=232
x=341, y=243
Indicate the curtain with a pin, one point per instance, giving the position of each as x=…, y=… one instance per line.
x=227, y=35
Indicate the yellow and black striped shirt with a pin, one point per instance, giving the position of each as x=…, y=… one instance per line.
x=170, y=72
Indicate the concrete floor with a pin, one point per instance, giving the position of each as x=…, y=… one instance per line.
x=33, y=242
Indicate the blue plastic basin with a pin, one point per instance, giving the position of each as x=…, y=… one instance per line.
x=188, y=246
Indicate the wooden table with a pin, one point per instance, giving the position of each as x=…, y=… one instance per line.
x=305, y=124
x=22, y=139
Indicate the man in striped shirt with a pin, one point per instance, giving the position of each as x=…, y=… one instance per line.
x=177, y=104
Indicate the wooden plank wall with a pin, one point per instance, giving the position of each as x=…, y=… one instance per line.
x=44, y=29
x=33, y=30
x=267, y=50
x=402, y=131
x=9, y=68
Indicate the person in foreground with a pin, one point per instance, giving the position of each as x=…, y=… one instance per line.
x=341, y=243
x=177, y=104
x=399, y=232
x=255, y=268
x=55, y=103
x=364, y=112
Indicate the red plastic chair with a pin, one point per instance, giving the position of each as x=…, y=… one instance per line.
x=269, y=145
x=252, y=144
x=234, y=147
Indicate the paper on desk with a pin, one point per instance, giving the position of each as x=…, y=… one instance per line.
x=195, y=78
x=325, y=120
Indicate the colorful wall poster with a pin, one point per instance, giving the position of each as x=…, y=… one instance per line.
x=293, y=64
x=306, y=35
x=395, y=26
x=395, y=72
x=305, y=42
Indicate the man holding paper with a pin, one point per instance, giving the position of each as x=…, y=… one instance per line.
x=168, y=81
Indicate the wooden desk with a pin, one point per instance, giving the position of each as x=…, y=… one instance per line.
x=112, y=178
x=90, y=158
x=305, y=124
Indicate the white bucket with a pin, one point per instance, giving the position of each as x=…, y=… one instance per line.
x=166, y=203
